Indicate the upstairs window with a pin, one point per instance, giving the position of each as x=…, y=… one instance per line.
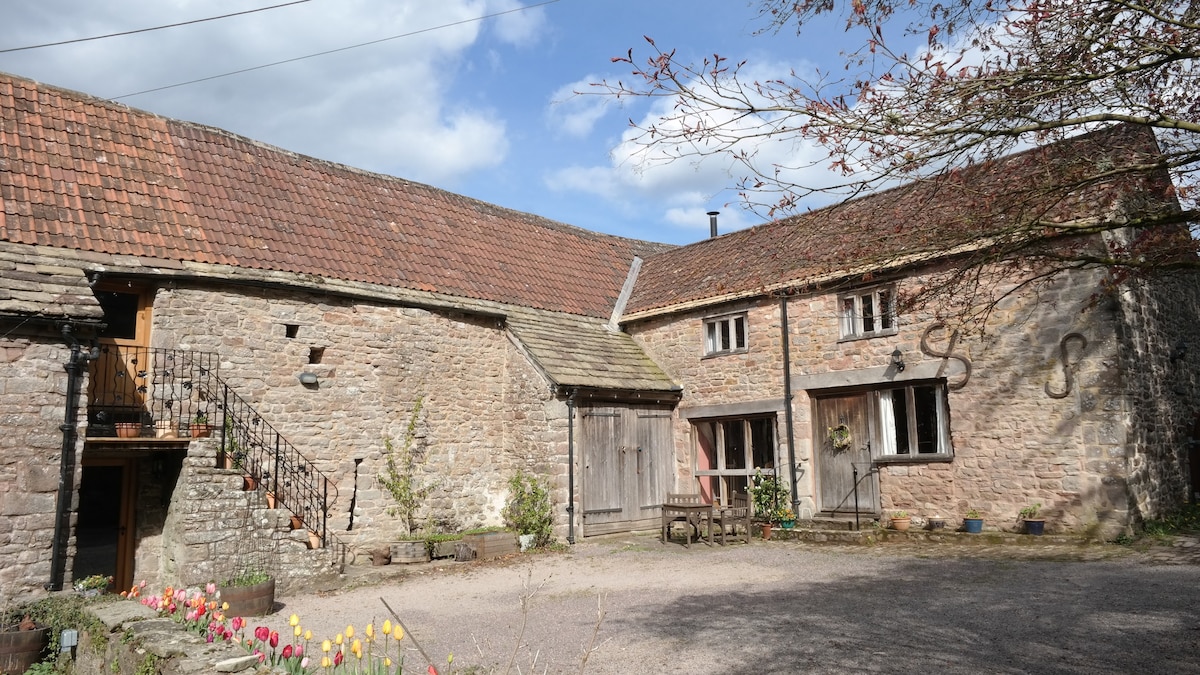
x=867, y=313
x=725, y=335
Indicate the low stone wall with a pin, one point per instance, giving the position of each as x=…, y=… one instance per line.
x=139, y=638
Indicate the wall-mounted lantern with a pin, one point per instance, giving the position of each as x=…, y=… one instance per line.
x=898, y=360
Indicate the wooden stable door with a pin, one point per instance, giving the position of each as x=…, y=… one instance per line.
x=837, y=464
x=626, y=456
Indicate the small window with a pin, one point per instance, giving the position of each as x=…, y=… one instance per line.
x=867, y=313
x=725, y=335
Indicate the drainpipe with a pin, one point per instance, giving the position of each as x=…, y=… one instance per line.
x=571, y=467
x=787, y=397
x=75, y=368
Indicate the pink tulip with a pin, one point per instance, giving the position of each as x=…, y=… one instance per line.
x=261, y=633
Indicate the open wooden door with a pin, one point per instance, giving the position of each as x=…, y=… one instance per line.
x=104, y=527
x=120, y=378
x=626, y=453
x=837, y=461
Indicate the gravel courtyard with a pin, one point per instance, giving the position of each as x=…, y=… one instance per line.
x=786, y=607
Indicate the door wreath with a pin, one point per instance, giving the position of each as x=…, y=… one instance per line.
x=839, y=436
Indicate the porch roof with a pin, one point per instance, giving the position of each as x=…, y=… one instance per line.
x=40, y=286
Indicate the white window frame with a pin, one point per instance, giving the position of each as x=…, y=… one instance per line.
x=722, y=335
x=887, y=446
x=869, y=312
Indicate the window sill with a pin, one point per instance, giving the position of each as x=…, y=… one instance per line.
x=868, y=336
x=728, y=352
x=913, y=459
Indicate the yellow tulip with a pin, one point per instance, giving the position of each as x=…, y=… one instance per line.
x=349, y=632
x=387, y=627
x=325, y=646
x=356, y=648
x=293, y=620
x=397, y=632
x=308, y=635
x=338, y=640
x=370, y=631
x=297, y=631
x=224, y=606
x=326, y=662
x=387, y=662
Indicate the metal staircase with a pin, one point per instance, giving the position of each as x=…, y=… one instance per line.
x=171, y=395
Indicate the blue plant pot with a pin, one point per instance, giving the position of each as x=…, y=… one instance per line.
x=973, y=525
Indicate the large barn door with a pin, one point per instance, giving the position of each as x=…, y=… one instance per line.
x=626, y=453
x=837, y=463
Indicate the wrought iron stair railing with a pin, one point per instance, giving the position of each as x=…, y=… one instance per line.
x=171, y=394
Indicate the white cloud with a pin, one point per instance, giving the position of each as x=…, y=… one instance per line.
x=384, y=106
x=519, y=28
x=575, y=114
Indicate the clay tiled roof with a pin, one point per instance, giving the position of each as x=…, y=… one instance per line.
x=905, y=226
x=91, y=175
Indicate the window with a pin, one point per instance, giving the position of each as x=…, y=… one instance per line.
x=725, y=335
x=729, y=452
x=867, y=313
x=912, y=421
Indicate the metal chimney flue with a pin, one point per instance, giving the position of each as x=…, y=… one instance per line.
x=712, y=223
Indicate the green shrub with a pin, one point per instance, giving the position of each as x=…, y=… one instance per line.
x=528, y=509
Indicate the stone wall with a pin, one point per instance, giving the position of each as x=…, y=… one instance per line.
x=32, y=404
x=1013, y=444
x=485, y=410
x=1160, y=359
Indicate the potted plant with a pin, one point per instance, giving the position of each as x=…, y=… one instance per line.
x=973, y=521
x=200, y=428
x=901, y=521
x=528, y=510
x=128, y=430
x=93, y=585
x=786, y=517
x=249, y=592
x=766, y=494
x=1029, y=516
x=442, y=545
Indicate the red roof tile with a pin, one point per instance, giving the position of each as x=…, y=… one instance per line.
x=179, y=191
x=912, y=223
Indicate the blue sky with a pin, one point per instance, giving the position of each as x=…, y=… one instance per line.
x=481, y=108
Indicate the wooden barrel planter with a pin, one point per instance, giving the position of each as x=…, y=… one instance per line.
x=20, y=649
x=256, y=600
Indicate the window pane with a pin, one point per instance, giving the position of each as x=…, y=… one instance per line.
x=735, y=444
x=900, y=413
x=927, y=422
x=868, y=314
x=886, y=310
x=847, y=317
x=710, y=338
x=762, y=442
x=724, y=335
x=739, y=333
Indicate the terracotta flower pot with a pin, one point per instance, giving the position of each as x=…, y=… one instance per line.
x=128, y=430
x=901, y=524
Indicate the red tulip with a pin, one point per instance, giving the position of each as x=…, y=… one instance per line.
x=287, y=651
x=261, y=633
x=337, y=659
x=274, y=639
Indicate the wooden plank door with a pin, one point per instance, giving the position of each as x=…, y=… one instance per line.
x=835, y=465
x=626, y=453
